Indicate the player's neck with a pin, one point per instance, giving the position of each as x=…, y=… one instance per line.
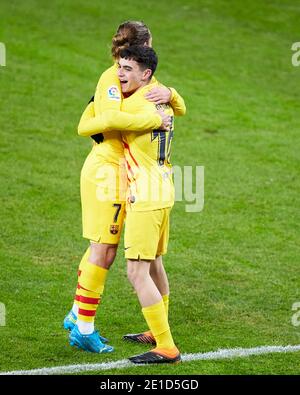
x=143, y=83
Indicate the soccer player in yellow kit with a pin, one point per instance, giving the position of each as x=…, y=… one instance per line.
x=150, y=196
x=102, y=218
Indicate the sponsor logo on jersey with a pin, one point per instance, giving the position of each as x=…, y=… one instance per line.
x=114, y=229
x=114, y=93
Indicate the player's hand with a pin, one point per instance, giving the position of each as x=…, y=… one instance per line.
x=166, y=121
x=159, y=95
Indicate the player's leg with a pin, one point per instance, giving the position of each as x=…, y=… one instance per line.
x=160, y=279
x=92, y=283
x=157, y=270
x=94, y=274
x=88, y=201
x=154, y=313
x=91, y=286
x=102, y=255
x=159, y=276
x=138, y=273
x=102, y=224
x=71, y=317
x=143, y=247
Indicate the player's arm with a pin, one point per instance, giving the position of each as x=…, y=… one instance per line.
x=107, y=115
x=108, y=94
x=163, y=95
x=113, y=120
x=87, y=114
x=177, y=102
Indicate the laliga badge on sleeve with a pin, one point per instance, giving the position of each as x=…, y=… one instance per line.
x=113, y=93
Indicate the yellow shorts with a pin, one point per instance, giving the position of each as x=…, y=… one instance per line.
x=103, y=211
x=146, y=234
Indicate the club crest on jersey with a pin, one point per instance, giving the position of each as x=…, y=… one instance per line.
x=114, y=229
x=114, y=93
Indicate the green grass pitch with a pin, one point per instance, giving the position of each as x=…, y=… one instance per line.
x=234, y=267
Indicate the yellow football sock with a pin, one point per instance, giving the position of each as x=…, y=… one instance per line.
x=156, y=318
x=88, y=304
x=84, y=259
x=83, y=262
x=166, y=304
x=92, y=281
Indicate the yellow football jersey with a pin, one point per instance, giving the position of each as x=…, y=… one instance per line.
x=112, y=120
x=108, y=93
x=147, y=157
x=104, y=116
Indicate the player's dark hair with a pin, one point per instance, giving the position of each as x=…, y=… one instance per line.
x=129, y=33
x=145, y=56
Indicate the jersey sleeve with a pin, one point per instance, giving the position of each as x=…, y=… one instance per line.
x=177, y=103
x=108, y=92
x=86, y=116
x=112, y=120
x=104, y=114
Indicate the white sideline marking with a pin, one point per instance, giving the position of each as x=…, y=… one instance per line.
x=124, y=363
